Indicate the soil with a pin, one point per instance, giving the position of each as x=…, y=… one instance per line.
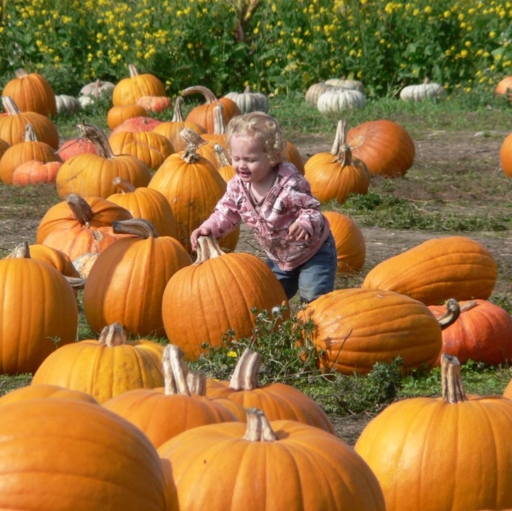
x=457, y=152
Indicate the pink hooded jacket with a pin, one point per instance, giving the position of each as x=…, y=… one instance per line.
x=288, y=200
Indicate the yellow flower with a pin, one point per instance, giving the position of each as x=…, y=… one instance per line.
x=428, y=9
x=492, y=34
x=233, y=354
x=464, y=53
x=467, y=44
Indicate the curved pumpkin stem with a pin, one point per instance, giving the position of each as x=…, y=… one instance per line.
x=75, y=282
x=340, y=148
x=132, y=68
x=219, y=121
x=192, y=138
x=10, y=106
x=139, y=227
x=21, y=251
x=207, y=248
x=113, y=335
x=199, y=89
x=220, y=154
x=177, y=115
x=175, y=371
x=452, y=386
x=258, y=427
x=245, y=375
x=123, y=184
x=80, y=208
x=451, y=315
x=98, y=138
x=468, y=306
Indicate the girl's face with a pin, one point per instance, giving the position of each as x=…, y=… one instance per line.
x=249, y=160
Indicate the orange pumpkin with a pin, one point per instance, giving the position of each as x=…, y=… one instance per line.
x=235, y=283
x=142, y=123
x=207, y=467
x=75, y=455
x=204, y=114
x=35, y=172
x=203, y=147
x=32, y=93
x=164, y=413
x=91, y=175
x=384, y=146
x=130, y=89
x=292, y=154
x=504, y=87
x=74, y=147
x=418, y=444
x=155, y=103
x=127, y=281
x=224, y=167
x=44, y=391
x=118, y=114
x=12, y=125
x=335, y=175
x=505, y=155
x=105, y=367
x=440, y=268
x=349, y=239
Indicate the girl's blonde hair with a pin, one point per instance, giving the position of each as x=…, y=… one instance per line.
x=263, y=127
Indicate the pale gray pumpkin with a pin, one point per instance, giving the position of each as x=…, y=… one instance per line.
x=96, y=89
x=422, y=91
x=338, y=100
x=248, y=101
x=342, y=83
x=67, y=105
x=315, y=91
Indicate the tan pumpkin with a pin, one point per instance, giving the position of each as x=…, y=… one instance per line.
x=346, y=83
x=127, y=281
x=420, y=92
x=315, y=91
x=440, y=268
x=67, y=105
x=338, y=100
x=97, y=88
x=130, y=89
x=337, y=174
x=91, y=175
x=32, y=93
x=249, y=101
x=105, y=367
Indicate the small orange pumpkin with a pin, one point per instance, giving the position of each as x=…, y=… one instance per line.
x=505, y=155
x=118, y=114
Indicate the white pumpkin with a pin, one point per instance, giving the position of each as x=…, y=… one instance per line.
x=346, y=84
x=67, y=104
x=338, y=100
x=315, y=91
x=96, y=89
x=248, y=101
x=422, y=91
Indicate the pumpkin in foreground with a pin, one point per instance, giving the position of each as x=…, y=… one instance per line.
x=266, y=466
x=65, y=454
x=446, y=453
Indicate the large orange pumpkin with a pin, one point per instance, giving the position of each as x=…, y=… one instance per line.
x=216, y=294
x=335, y=175
x=505, y=155
x=104, y=367
x=44, y=391
x=386, y=147
x=91, y=175
x=32, y=93
x=127, y=281
x=446, y=453
x=142, y=123
x=63, y=454
x=128, y=90
x=290, y=466
x=440, y=268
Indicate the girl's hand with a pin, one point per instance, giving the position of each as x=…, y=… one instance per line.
x=201, y=231
x=298, y=232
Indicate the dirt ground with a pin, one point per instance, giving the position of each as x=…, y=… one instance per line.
x=457, y=152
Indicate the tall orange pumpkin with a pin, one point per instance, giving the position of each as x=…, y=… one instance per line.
x=32, y=93
x=137, y=85
x=202, y=302
x=127, y=281
x=385, y=146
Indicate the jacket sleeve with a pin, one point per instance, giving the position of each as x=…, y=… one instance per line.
x=225, y=217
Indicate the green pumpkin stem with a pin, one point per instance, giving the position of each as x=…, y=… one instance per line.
x=258, y=427
x=245, y=375
x=113, y=335
x=451, y=315
x=139, y=227
x=452, y=386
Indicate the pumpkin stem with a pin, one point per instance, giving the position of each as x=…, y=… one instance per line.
x=80, y=208
x=113, y=335
x=451, y=315
x=22, y=251
x=190, y=155
x=192, y=138
x=196, y=381
x=219, y=121
x=341, y=150
x=98, y=138
x=258, y=427
x=177, y=115
x=199, y=89
x=139, y=227
x=75, y=282
x=10, y=106
x=245, y=375
x=123, y=184
x=132, y=68
x=213, y=247
x=220, y=154
x=29, y=134
x=452, y=386
x=20, y=73
x=247, y=89
x=175, y=371
x=468, y=306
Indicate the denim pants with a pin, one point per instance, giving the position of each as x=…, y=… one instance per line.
x=313, y=278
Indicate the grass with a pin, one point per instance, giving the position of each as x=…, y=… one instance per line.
x=452, y=189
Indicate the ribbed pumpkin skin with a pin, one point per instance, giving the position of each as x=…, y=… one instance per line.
x=37, y=307
x=350, y=243
x=377, y=326
x=12, y=128
x=91, y=175
x=386, y=148
x=438, y=269
x=32, y=93
x=482, y=333
x=193, y=190
x=423, y=452
x=44, y=391
x=103, y=371
x=171, y=131
x=149, y=204
x=278, y=401
x=63, y=454
x=130, y=89
x=505, y=156
x=162, y=417
x=292, y=154
x=203, y=114
x=203, y=301
x=118, y=114
x=127, y=282
x=305, y=469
